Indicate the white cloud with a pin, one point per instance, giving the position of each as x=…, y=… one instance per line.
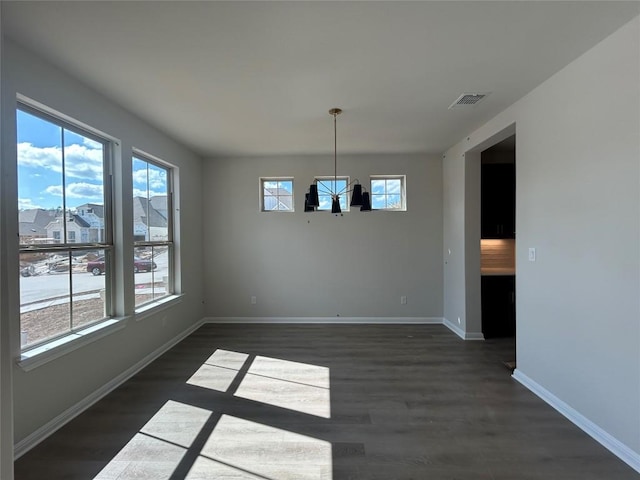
x=27, y=204
x=45, y=157
x=78, y=190
x=80, y=160
x=157, y=179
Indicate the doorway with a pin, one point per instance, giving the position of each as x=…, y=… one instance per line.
x=497, y=245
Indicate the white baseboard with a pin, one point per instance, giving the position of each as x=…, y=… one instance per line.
x=33, y=439
x=304, y=320
x=619, y=449
x=461, y=333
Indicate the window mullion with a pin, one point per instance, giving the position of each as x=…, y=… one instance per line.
x=63, y=240
x=71, y=323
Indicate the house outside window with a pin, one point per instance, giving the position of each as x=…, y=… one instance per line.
x=388, y=192
x=60, y=167
x=277, y=194
x=152, y=229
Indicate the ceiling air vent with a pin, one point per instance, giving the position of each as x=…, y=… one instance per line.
x=468, y=99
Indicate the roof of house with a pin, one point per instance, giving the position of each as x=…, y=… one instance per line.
x=98, y=210
x=78, y=220
x=284, y=196
x=159, y=202
x=144, y=212
x=33, y=222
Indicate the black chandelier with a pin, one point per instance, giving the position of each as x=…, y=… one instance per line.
x=318, y=187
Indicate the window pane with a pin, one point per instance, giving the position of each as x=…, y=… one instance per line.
x=83, y=166
x=377, y=187
x=150, y=202
x=88, y=292
x=270, y=202
x=285, y=187
x=393, y=185
x=47, y=283
x=393, y=201
x=377, y=202
x=151, y=273
x=39, y=162
x=277, y=195
x=45, y=311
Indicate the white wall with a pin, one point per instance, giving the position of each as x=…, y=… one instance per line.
x=69, y=379
x=309, y=265
x=454, y=240
x=578, y=204
x=6, y=390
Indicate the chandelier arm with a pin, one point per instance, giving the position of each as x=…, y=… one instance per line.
x=344, y=190
x=327, y=190
x=349, y=187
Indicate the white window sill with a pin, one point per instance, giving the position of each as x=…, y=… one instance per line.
x=61, y=346
x=145, y=311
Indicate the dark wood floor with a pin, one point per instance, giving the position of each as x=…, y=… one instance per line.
x=326, y=402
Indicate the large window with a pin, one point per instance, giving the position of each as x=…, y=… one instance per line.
x=152, y=230
x=61, y=169
x=326, y=185
x=388, y=192
x=277, y=194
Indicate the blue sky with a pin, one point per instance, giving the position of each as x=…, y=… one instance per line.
x=41, y=145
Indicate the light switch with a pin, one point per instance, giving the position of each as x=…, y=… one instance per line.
x=532, y=254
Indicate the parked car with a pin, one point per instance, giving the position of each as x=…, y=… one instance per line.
x=28, y=271
x=139, y=265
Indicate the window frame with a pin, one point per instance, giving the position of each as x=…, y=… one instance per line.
x=169, y=243
x=344, y=195
x=63, y=245
x=403, y=192
x=263, y=180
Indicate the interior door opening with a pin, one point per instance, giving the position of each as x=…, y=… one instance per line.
x=497, y=245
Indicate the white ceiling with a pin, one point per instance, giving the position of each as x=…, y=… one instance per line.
x=257, y=78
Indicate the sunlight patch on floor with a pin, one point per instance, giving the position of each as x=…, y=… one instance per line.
x=184, y=440
x=291, y=385
x=219, y=370
x=241, y=449
x=159, y=447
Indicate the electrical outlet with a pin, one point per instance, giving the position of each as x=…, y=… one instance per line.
x=532, y=254
x=254, y=300
x=403, y=300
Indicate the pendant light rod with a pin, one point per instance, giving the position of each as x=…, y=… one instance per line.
x=359, y=197
x=335, y=112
